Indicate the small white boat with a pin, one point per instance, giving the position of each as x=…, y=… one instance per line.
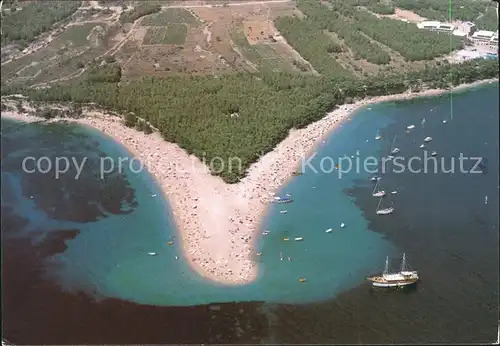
x=259, y=253
x=384, y=211
x=444, y=121
x=394, y=192
x=485, y=199
x=329, y=230
x=153, y=195
x=434, y=153
x=380, y=193
x=422, y=146
x=283, y=211
x=152, y=253
x=375, y=178
x=342, y=225
x=378, y=136
x=409, y=127
x=265, y=233
x=299, y=238
x=427, y=139
x=394, y=150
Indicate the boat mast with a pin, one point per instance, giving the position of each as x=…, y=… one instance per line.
x=380, y=201
x=393, y=141
x=403, y=263
x=386, y=269
x=375, y=188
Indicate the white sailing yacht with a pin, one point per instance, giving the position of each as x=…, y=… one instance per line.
x=394, y=150
x=404, y=278
x=378, y=136
x=384, y=211
x=380, y=193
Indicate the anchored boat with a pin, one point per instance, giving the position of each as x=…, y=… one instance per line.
x=394, y=150
x=384, y=211
x=280, y=200
x=403, y=278
x=380, y=193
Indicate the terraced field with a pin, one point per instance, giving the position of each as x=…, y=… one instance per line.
x=174, y=33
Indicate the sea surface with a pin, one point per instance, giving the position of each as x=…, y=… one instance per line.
x=75, y=247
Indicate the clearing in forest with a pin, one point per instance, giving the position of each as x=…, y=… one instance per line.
x=263, y=55
x=172, y=34
x=170, y=16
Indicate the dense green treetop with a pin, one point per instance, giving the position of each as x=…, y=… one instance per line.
x=33, y=19
x=245, y=115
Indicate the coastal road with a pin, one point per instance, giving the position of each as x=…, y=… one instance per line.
x=229, y=4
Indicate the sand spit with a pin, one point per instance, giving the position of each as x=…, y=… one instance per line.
x=218, y=222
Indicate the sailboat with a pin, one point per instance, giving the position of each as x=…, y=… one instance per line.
x=380, y=193
x=378, y=136
x=403, y=278
x=393, y=149
x=384, y=211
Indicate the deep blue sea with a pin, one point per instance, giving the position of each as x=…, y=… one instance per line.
x=76, y=267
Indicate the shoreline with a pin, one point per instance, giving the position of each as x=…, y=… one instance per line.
x=217, y=222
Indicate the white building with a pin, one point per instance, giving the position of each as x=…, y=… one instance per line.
x=464, y=29
x=436, y=26
x=494, y=40
x=485, y=38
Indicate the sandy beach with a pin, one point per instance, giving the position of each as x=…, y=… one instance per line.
x=218, y=222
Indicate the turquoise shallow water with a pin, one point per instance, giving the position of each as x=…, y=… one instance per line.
x=109, y=255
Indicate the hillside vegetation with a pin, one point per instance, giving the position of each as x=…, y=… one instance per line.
x=36, y=17
x=138, y=12
x=444, y=9
x=246, y=115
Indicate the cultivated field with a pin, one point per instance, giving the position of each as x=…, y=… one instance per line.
x=202, y=37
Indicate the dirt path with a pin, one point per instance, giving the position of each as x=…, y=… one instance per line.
x=229, y=4
x=110, y=51
x=248, y=62
x=294, y=53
